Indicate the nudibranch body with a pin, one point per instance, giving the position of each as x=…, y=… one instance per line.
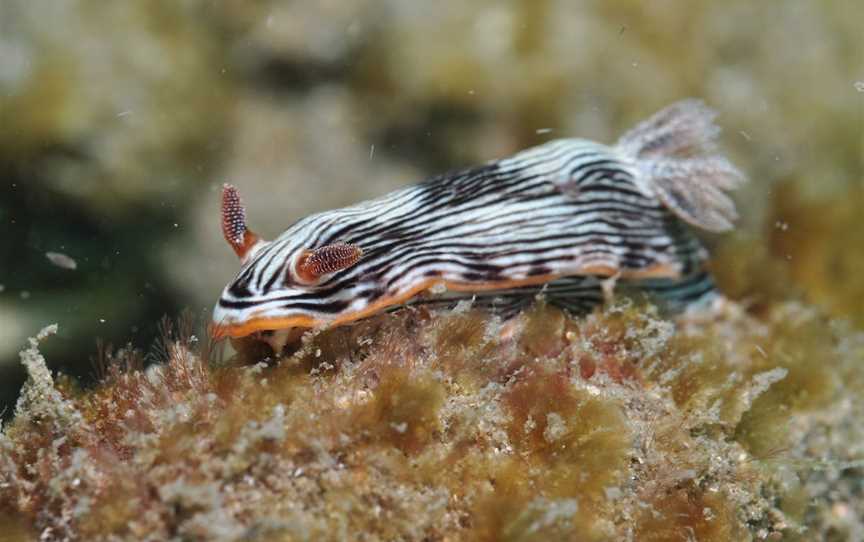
x=560, y=216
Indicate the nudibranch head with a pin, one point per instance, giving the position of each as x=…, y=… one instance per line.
x=307, y=277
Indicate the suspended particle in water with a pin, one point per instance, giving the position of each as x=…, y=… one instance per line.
x=859, y=86
x=61, y=260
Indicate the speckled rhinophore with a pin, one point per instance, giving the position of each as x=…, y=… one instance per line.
x=556, y=217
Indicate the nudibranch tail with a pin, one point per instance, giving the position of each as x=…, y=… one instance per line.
x=241, y=238
x=314, y=264
x=675, y=153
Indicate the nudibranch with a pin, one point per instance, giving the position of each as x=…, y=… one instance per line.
x=560, y=217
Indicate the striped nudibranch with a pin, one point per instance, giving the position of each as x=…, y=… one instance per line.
x=558, y=217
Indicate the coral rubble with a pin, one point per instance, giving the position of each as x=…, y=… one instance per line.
x=622, y=425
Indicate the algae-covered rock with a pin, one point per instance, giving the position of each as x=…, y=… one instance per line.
x=622, y=425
